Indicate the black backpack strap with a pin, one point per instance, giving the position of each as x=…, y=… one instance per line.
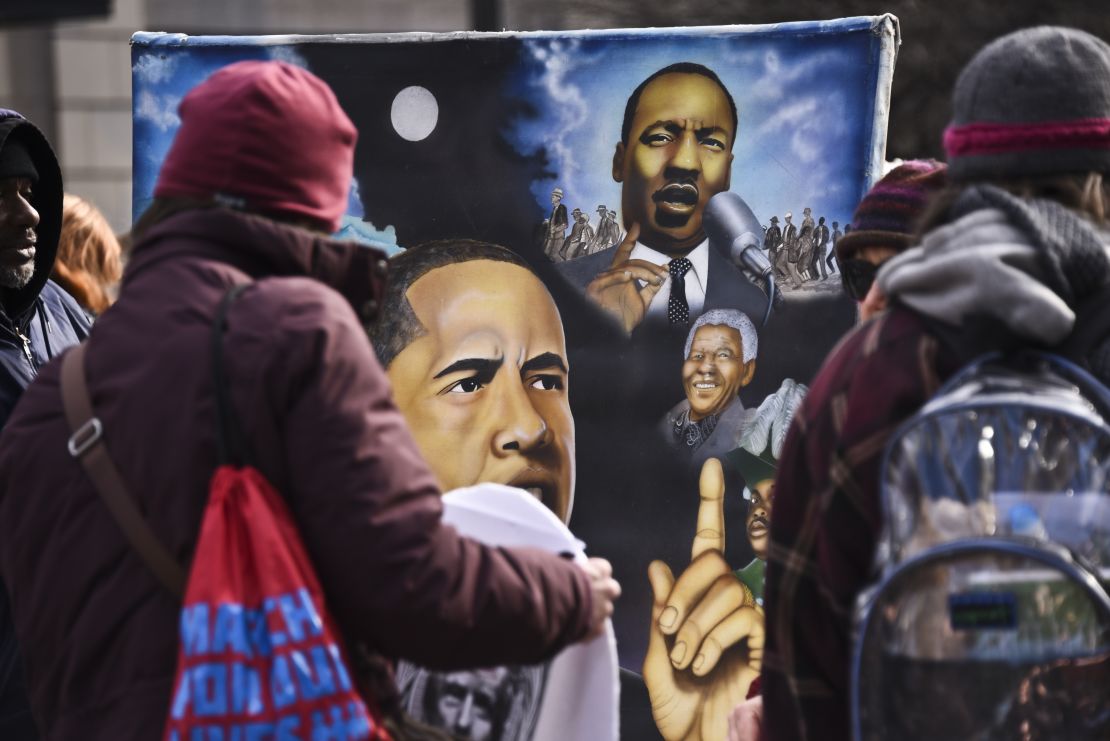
x=973, y=338
x=231, y=443
x=1088, y=345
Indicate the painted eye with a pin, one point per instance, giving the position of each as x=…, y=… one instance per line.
x=547, y=383
x=466, y=386
x=657, y=140
x=714, y=144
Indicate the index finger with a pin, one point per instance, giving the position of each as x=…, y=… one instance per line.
x=710, y=533
x=625, y=249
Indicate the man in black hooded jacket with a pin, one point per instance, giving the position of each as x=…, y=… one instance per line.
x=37, y=321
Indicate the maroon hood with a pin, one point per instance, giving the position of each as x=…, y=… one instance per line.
x=261, y=247
x=265, y=137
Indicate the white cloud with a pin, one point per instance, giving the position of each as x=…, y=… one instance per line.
x=791, y=116
x=160, y=110
x=805, y=145
x=568, y=105
x=288, y=54
x=357, y=230
x=797, y=136
x=780, y=77
x=733, y=57
x=153, y=68
x=354, y=199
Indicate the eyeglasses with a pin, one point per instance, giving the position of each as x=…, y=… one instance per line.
x=857, y=276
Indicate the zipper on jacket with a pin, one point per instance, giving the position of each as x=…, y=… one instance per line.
x=26, y=346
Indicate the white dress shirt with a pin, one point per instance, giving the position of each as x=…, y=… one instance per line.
x=697, y=278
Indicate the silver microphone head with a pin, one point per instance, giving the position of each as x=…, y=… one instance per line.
x=734, y=230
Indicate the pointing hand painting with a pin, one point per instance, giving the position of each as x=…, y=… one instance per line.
x=706, y=640
x=617, y=291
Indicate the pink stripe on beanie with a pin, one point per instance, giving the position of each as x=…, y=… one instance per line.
x=1034, y=102
x=994, y=138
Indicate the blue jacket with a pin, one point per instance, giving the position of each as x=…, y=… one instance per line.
x=51, y=323
x=37, y=322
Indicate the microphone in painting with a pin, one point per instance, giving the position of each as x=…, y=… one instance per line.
x=734, y=230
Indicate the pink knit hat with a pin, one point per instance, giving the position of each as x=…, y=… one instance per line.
x=264, y=137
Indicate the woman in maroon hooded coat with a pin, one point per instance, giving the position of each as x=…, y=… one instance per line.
x=259, y=170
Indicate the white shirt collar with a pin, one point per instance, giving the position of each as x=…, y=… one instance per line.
x=696, y=279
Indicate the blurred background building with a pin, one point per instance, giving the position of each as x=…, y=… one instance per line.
x=66, y=63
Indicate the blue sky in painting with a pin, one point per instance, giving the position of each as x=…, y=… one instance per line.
x=161, y=78
x=805, y=94
x=805, y=103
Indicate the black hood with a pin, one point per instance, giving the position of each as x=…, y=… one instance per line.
x=47, y=200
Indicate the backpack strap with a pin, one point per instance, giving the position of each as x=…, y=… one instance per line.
x=1088, y=345
x=231, y=443
x=86, y=444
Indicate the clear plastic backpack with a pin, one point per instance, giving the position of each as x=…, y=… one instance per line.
x=990, y=618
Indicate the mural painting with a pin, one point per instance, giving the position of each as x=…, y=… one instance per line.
x=612, y=278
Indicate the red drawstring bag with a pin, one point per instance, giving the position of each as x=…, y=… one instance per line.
x=259, y=658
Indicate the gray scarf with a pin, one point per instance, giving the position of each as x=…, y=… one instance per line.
x=1073, y=260
x=1025, y=264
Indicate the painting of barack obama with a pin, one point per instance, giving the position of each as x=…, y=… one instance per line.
x=475, y=351
x=474, y=348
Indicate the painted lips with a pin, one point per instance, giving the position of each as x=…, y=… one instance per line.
x=677, y=197
x=537, y=484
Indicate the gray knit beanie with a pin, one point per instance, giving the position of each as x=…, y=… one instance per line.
x=1034, y=102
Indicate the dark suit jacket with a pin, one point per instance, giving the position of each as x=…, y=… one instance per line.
x=727, y=287
x=559, y=216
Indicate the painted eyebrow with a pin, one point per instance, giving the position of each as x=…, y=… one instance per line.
x=672, y=127
x=486, y=367
x=544, y=361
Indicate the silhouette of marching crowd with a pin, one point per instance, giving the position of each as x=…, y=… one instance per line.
x=805, y=254
x=583, y=238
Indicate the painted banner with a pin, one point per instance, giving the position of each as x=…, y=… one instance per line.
x=613, y=276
